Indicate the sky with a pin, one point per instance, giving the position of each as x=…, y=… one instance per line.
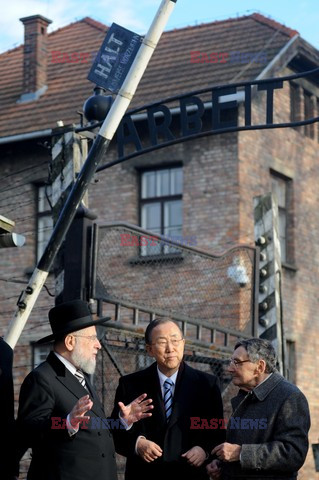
x=137, y=15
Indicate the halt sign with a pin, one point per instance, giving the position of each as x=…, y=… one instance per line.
x=114, y=58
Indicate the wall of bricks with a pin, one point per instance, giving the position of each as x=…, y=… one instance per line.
x=209, y=178
x=222, y=174
x=22, y=167
x=35, y=54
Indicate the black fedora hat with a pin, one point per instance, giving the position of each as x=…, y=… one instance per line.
x=70, y=317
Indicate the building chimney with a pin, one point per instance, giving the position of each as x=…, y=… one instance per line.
x=35, y=57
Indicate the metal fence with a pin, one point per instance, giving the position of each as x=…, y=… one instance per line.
x=143, y=275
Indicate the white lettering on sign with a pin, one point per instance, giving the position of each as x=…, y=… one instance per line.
x=115, y=40
x=103, y=71
x=113, y=47
x=127, y=55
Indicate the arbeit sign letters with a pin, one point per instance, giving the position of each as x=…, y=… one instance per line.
x=200, y=113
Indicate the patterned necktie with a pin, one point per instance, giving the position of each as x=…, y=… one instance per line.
x=168, y=398
x=79, y=375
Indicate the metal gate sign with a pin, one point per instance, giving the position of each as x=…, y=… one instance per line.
x=114, y=58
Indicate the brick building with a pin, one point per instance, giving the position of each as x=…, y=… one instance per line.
x=213, y=179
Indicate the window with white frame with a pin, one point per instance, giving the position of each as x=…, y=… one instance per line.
x=162, y=206
x=44, y=217
x=40, y=353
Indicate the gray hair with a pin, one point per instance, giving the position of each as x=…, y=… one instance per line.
x=156, y=323
x=257, y=349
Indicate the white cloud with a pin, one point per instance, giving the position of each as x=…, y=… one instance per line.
x=137, y=15
x=128, y=13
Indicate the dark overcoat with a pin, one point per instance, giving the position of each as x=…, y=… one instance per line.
x=47, y=396
x=271, y=423
x=197, y=395
x=8, y=465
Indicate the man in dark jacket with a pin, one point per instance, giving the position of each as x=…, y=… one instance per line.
x=8, y=467
x=267, y=434
x=169, y=445
x=60, y=415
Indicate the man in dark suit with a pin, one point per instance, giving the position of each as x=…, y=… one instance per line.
x=8, y=467
x=60, y=415
x=267, y=434
x=169, y=444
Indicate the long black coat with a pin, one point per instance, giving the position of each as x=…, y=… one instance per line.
x=47, y=395
x=197, y=394
x=271, y=424
x=8, y=467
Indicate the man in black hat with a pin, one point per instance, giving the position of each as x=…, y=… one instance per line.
x=60, y=415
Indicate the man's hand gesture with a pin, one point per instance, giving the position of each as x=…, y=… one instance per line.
x=136, y=410
x=77, y=414
x=228, y=452
x=196, y=456
x=148, y=450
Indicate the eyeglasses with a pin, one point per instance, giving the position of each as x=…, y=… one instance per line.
x=93, y=338
x=236, y=363
x=163, y=343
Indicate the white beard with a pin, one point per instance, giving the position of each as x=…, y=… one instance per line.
x=87, y=365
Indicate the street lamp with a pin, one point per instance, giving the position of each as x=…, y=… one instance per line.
x=237, y=272
x=97, y=106
x=7, y=237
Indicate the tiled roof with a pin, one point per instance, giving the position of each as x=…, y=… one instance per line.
x=170, y=71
